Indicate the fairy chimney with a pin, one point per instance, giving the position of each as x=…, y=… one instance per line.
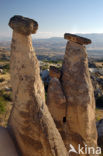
x=76, y=121
x=30, y=122
x=78, y=90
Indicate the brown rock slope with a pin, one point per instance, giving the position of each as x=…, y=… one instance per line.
x=30, y=122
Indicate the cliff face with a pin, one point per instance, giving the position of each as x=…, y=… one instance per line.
x=71, y=115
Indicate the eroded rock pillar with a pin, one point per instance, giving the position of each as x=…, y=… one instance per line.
x=74, y=110
x=30, y=122
x=78, y=90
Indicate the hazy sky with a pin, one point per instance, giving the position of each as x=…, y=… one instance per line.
x=55, y=17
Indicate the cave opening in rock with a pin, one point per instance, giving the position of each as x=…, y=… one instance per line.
x=64, y=119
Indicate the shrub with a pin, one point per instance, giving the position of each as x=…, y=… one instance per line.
x=4, y=99
x=7, y=97
x=2, y=79
x=45, y=67
x=53, y=61
x=6, y=67
x=97, y=118
x=2, y=105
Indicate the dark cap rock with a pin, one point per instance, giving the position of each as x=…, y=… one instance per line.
x=77, y=39
x=23, y=25
x=55, y=72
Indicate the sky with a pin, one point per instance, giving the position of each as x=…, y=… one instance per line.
x=55, y=17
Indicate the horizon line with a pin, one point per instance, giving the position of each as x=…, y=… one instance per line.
x=52, y=36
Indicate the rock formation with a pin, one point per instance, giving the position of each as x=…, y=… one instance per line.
x=70, y=97
x=79, y=94
x=56, y=102
x=7, y=146
x=100, y=133
x=77, y=39
x=30, y=122
x=55, y=72
x=77, y=117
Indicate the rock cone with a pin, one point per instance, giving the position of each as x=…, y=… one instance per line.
x=30, y=121
x=78, y=117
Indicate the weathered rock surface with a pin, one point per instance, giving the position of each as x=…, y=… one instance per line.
x=7, y=147
x=56, y=103
x=56, y=100
x=77, y=39
x=23, y=25
x=55, y=72
x=78, y=90
x=100, y=133
x=76, y=121
x=30, y=122
x=70, y=97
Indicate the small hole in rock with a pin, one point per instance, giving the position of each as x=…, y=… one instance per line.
x=64, y=119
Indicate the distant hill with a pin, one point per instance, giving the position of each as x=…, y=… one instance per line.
x=97, y=41
x=54, y=44
x=58, y=44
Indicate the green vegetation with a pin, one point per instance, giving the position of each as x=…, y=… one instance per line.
x=46, y=66
x=7, y=97
x=49, y=62
x=4, y=98
x=2, y=105
x=54, y=61
x=98, y=118
x=6, y=68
